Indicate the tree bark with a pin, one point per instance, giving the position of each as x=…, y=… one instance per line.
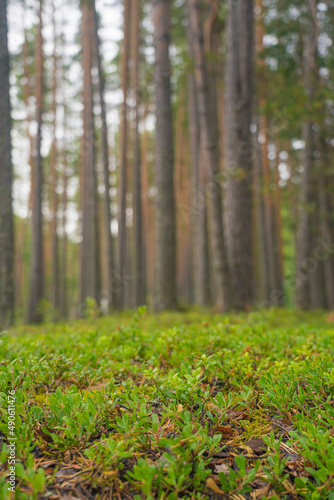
x=20, y=274
x=54, y=177
x=140, y=281
x=209, y=130
x=6, y=179
x=35, y=314
x=279, y=229
x=306, y=202
x=90, y=245
x=262, y=278
x=165, y=295
x=110, y=264
x=201, y=276
x=122, y=231
x=326, y=232
x=238, y=149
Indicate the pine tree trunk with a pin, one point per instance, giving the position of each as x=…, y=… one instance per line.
x=22, y=235
x=262, y=281
x=110, y=264
x=201, y=275
x=209, y=131
x=140, y=278
x=326, y=233
x=148, y=216
x=35, y=314
x=238, y=149
x=165, y=295
x=54, y=178
x=89, y=286
x=6, y=176
x=63, y=292
x=307, y=195
x=122, y=232
x=279, y=229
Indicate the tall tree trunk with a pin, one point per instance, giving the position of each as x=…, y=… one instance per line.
x=122, y=231
x=326, y=232
x=6, y=176
x=304, y=231
x=182, y=204
x=279, y=227
x=63, y=292
x=317, y=278
x=110, y=264
x=140, y=282
x=35, y=314
x=89, y=247
x=262, y=281
x=263, y=134
x=165, y=295
x=209, y=131
x=148, y=216
x=63, y=251
x=22, y=235
x=54, y=177
x=201, y=276
x=238, y=149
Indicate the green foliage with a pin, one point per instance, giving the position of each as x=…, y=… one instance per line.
x=167, y=406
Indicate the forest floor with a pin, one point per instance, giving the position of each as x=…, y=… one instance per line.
x=189, y=406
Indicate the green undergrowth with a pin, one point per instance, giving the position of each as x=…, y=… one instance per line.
x=189, y=405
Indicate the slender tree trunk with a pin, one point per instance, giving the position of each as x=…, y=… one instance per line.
x=22, y=235
x=110, y=264
x=6, y=176
x=54, y=177
x=263, y=134
x=148, y=218
x=35, y=314
x=90, y=246
x=317, y=278
x=165, y=295
x=326, y=232
x=64, y=249
x=279, y=229
x=306, y=206
x=182, y=205
x=262, y=282
x=140, y=282
x=238, y=149
x=209, y=131
x=122, y=232
x=201, y=276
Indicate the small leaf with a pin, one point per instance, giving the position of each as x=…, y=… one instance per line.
x=213, y=486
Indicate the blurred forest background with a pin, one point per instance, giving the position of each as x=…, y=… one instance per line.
x=165, y=153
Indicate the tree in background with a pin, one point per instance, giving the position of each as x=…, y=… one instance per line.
x=209, y=129
x=199, y=213
x=6, y=176
x=55, y=298
x=122, y=230
x=267, y=237
x=128, y=170
x=90, y=267
x=36, y=296
x=307, y=189
x=165, y=223
x=238, y=149
x=110, y=258
x=140, y=261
